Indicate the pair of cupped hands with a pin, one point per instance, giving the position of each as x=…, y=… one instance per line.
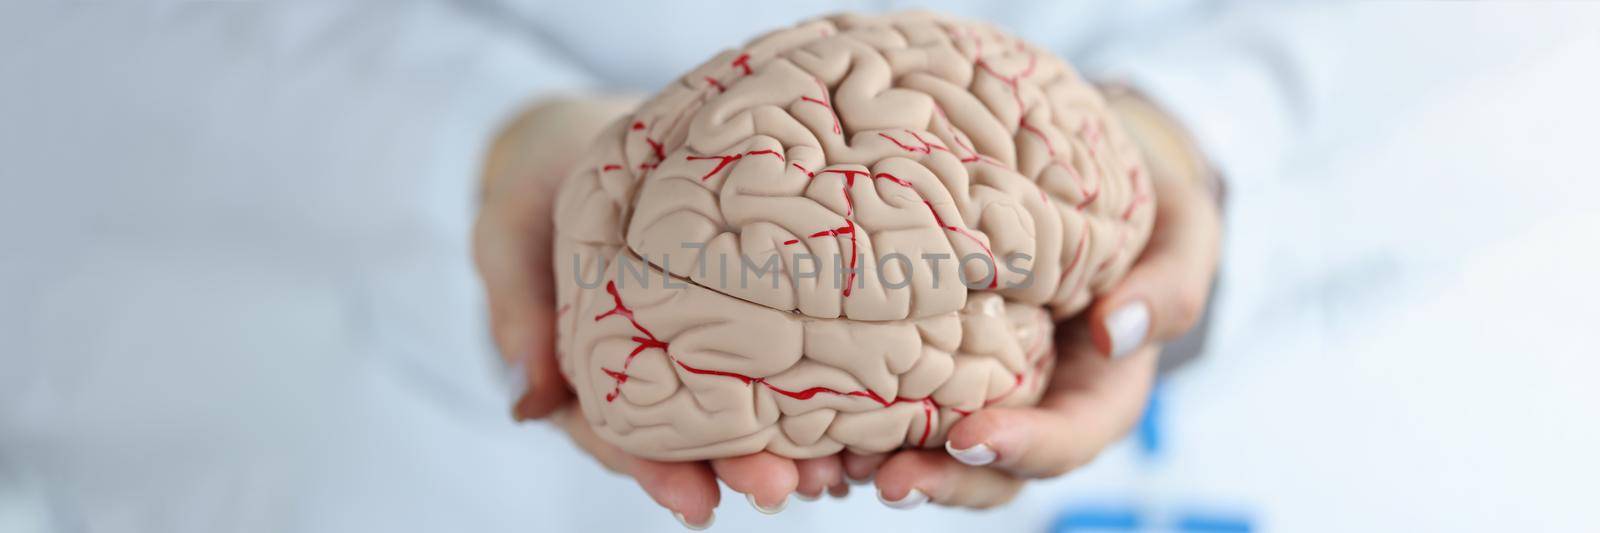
x=1106, y=356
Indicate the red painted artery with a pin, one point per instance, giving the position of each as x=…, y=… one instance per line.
x=827, y=103
x=1012, y=80
x=724, y=160
x=743, y=63
x=1049, y=148
x=1139, y=194
x=926, y=148
x=972, y=154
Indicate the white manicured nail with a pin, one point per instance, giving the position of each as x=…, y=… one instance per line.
x=911, y=500
x=858, y=482
x=516, y=382
x=1128, y=327
x=805, y=498
x=767, y=510
x=978, y=455
x=712, y=518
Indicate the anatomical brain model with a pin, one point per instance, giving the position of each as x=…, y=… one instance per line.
x=847, y=234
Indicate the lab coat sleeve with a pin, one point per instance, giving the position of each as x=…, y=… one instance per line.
x=1233, y=74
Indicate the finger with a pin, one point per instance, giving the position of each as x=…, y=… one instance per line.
x=816, y=475
x=1093, y=403
x=513, y=261
x=688, y=490
x=913, y=477
x=765, y=479
x=860, y=467
x=839, y=490
x=1164, y=293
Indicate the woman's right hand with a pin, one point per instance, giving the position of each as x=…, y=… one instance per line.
x=512, y=249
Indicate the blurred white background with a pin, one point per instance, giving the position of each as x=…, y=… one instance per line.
x=237, y=294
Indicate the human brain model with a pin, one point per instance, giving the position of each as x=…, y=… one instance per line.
x=919, y=198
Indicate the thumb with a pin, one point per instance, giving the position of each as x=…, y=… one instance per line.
x=513, y=236
x=514, y=263
x=1165, y=291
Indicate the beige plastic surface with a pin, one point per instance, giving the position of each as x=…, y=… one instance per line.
x=855, y=141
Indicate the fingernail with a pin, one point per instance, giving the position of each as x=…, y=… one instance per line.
x=808, y=497
x=858, y=482
x=767, y=510
x=516, y=379
x=978, y=455
x=909, y=501
x=516, y=386
x=1128, y=327
x=710, y=519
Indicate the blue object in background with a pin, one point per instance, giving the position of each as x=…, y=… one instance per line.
x=1150, y=438
x=1098, y=519
x=1148, y=433
x=1212, y=523
x=1105, y=519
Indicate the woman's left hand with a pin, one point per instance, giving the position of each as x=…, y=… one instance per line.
x=1106, y=361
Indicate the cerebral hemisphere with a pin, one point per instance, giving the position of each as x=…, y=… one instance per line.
x=920, y=198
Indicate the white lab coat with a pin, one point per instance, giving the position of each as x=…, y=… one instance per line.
x=237, y=290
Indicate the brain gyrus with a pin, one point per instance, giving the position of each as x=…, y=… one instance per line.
x=919, y=198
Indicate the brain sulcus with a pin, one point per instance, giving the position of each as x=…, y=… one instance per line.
x=847, y=234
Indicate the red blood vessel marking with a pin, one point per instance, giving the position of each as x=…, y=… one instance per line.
x=641, y=344
x=1011, y=81
x=646, y=340
x=724, y=160
x=809, y=174
x=926, y=148
x=849, y=227
x=1089, y=195
x=891, y=179
x=994, y=281
x=742, y=62
x=714, y=83
x=975, y=157
x=898, y=143
x=609, y=168
x=1049, y=148
x=1092, y=136
x=827, y=103
x=655, y=148
x=955, y=135
x=1091, y=132
x=1139, y=194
